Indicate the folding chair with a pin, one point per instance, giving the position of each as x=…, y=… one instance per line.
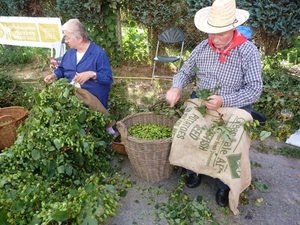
x=170, y=37
x=60, y=49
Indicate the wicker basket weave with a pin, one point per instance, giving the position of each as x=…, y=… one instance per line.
x=149, y=158
x=118, y=146
x=8, y=129
x=18, y=112
x=10, y=119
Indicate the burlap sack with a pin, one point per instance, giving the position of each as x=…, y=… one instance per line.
x=193, y=148
x=92, y=102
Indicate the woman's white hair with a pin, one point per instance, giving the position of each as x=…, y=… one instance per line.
x=75, y=28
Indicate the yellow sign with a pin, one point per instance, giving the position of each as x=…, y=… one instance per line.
x=49, y=33
x=30, y=31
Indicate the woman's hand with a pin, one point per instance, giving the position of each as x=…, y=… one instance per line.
x=172, y=96
x=83, y=77
x=50, y=78
x=214, y=102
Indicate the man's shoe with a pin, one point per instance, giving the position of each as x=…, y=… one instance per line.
x=193, y=180
x=222, y=197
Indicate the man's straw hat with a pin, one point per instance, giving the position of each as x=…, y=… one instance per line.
x=220, y=17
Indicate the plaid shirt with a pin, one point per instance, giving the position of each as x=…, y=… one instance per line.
x=239, y=76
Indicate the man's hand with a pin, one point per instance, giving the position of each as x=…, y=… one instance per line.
x=214, y=102
x=50, y=78
x=172, y=96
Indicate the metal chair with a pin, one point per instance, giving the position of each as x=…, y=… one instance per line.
x=170, y=36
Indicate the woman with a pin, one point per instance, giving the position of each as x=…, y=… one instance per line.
x=85, y=64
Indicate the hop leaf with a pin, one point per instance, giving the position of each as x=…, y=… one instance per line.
x=202, y=110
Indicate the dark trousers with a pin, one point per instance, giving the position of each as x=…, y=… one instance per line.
x=219, y=183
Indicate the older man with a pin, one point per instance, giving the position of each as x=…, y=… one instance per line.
x=226, y=59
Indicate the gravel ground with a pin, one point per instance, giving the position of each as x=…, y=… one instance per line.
x=280, y=206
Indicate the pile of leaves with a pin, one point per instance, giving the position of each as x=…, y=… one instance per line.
x=281, y=91
x=58, y=171
x=120, y=105
x=181, y=210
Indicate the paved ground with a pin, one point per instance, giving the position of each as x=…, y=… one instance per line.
x=280, y=206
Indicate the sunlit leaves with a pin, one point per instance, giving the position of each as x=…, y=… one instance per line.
x=55, y=144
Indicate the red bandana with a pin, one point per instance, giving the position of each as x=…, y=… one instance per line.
x=237, y=39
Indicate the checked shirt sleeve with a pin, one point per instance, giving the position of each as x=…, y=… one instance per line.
x=252, y=85
x=187, y=71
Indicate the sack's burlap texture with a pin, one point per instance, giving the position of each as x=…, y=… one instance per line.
x=92, y=102
x=194, y=149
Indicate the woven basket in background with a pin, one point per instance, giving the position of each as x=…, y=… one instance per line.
x=11, y=118
x=118, y=146
x=8, y=129
x=149, y=158
x=18, y=112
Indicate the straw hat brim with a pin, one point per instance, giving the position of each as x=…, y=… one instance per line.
x=201, y=19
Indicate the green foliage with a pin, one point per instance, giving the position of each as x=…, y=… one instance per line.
x=99, y=18
x=103, y=32
x=100, y=21
x=12, y=92
x=181, y=210
x=20, y=56
x=279, y=18
x=291, y=54
x=281, y=90
x=289, y=152
x=119, y=104
x=135, y=44
x=193, y=6
x=257, y=131
x=204, y=94
x=4, y=9
x=56, y=172
x=161, y=106
x=150, y=131
x=275, y=23
x=153, y=13
x=15, y=7
x=15, y=55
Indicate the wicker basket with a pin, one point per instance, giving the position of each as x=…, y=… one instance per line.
x=118, y=146
x=149, y=158
x=8, y=129
x=18, y=112
x=11, y=118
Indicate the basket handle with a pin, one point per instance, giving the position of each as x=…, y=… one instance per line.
x=122, y=129
x=7, y=119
